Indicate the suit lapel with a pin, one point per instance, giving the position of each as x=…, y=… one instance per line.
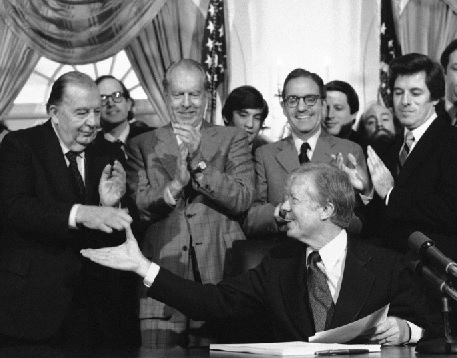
x=355, y=287
x=324, y=149
x=53, y=160
x=210, y=141
x=287, y=155
x=420, y=151
x=297, y=305
x=167, y=149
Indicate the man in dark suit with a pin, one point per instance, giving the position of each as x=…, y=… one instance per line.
x=357, y=279
x=191, y=181
x=416, y=181
x=58, y=192
x=117, y=116
x=303, y=105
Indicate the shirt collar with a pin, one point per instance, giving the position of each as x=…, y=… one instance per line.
x=64, y=147
x=334, y=251
x=122, y=137
x=419, y=131
x=312, y=141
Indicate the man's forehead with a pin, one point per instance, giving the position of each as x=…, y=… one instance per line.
x=413, y=80
x=109, y=85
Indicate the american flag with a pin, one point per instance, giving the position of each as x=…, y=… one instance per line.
x=389, y=50
x=214, y=51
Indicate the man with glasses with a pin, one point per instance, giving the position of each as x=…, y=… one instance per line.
x=117, y=116
x=303, y=104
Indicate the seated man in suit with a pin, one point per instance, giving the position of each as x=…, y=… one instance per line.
x=191, y=180
x=351, y=278
x=303, y=102
x=59, y=192
x=117, y=117
x=246, y=109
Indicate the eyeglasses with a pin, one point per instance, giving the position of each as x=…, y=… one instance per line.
x=115, y=96
x=310, y=100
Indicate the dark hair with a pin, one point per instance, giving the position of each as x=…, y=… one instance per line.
x=413, y=63
x=187, y=64
x=300, y=72
x=447, y=53
x=348, y=90
x=332, y=186
x=125, y=92
x=59, y=86
x=244, y=97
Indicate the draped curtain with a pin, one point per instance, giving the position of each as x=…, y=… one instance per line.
x=427, y=27
x=70, y=32
x=17, y=62
x=175, y=33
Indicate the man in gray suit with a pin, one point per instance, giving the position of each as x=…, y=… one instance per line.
x=304, y=105
x=191, y=180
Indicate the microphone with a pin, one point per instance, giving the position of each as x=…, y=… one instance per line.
x=433, y=278
x=427, y=251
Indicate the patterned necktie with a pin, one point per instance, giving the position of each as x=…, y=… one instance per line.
x=76, y=174
x=303, y=156
x=409, y=139
x=319, y=294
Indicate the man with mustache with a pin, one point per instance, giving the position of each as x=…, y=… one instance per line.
x=60, y=191
x=378, y=127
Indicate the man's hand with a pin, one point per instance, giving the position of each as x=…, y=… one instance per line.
x=189, y=135
x=393, y=331
x=357, y=174
x=182, y=175
x=126, y=257
x=112, y=184
x=102, y=218
x=381, y=177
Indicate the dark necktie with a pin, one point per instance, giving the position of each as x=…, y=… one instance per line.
x=303, y=156
x=76, y=174
x=405, y=149
x=319, y=294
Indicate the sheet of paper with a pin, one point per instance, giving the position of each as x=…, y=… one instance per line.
x=352, y=330
x=302, y=349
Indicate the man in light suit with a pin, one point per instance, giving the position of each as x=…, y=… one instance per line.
x=359, y=279
x=191, y=181
x=303, y=105
x=53, y=205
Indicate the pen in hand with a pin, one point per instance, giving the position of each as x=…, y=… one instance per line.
x=342, y=352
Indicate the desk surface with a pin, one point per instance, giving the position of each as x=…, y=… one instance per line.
x=45, y=352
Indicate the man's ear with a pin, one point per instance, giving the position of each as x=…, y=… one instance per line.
x=327, y=211
x=52, y=111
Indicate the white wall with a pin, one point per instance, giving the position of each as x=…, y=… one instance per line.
x=338, y=39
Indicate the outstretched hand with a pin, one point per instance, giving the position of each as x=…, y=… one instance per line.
x=125, y=257
x=112, y=184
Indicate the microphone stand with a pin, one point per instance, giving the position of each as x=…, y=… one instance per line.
x=446, y=345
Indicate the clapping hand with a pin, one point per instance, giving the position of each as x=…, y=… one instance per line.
x=112, y=184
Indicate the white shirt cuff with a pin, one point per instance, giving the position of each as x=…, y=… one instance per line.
x=388, y=195
x=72, y=217
x=150, y=277
x=168, y=197
x=416, y=332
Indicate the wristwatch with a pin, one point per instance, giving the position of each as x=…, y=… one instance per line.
x=201, y=166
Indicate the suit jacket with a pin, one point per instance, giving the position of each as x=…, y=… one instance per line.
x=41, y=270
x=273, y=164
x=205, y=218
x=424, y=196
x=277, y=289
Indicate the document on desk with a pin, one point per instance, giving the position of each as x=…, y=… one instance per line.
x=352, y=330
x=302, y=349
